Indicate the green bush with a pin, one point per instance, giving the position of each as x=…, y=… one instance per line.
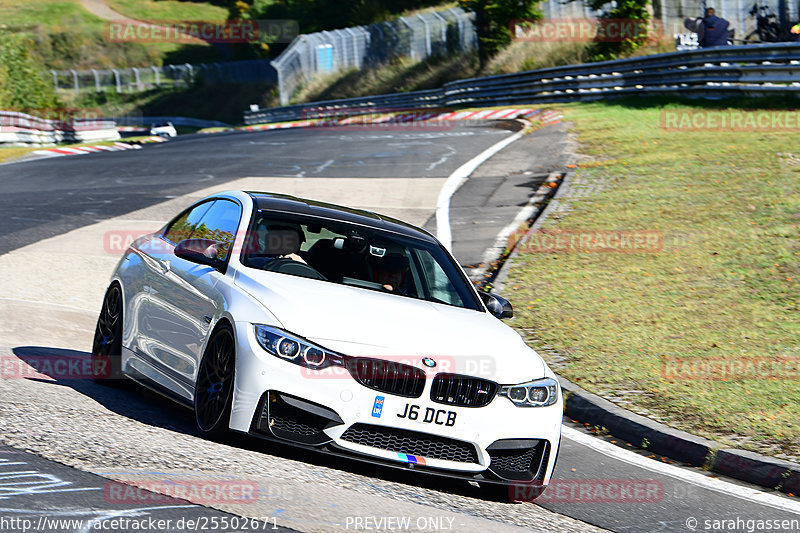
x=64, y=47
x=23, y=86
x=626, y=10
x=493, y=19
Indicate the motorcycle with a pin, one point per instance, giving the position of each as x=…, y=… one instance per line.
x=769, y=29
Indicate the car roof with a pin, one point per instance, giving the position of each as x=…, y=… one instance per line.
x=284, y=203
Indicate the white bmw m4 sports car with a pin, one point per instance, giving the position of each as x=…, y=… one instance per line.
x=333, y=329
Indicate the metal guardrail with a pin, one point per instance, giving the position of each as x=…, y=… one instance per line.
x=143, y=78
x=21, y=128
x=147, y=121
x=327, y=108
x=753, y=70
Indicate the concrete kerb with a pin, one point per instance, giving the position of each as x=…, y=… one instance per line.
x=563, y=187
x=530, y=212
x=765, y=471
x=588, y=408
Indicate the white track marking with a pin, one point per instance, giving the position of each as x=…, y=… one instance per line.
x=681, y=474
x=324, y=165
x=454, y=181
x=450, y=151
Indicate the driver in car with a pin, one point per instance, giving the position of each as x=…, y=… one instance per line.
x=390, y=272
x=280, y=242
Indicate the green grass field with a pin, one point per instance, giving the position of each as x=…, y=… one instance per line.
x=725, y=288
x=66, y=35
x=169, y=11
x=10, y=153
x=17, y=14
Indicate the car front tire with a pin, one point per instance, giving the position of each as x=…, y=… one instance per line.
x=214, y=388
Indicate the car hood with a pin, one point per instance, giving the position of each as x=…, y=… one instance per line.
x=361, y=322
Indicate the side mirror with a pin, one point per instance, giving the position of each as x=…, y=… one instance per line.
x=200, y=251
x=497, y=305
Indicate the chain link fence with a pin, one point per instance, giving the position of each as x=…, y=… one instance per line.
x=307, y=57
x=418, y=37
x=143, y=78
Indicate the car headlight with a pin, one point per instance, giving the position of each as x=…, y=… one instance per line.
x=538, y=393
x=293, y=349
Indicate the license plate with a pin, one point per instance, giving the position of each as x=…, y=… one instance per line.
x=428, y=415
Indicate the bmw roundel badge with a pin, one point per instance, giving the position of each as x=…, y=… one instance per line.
x=427, y=361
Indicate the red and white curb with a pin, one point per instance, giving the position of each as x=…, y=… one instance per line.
x=132, y=129
x=78, y=150
x=543, y=117
x=153, y=139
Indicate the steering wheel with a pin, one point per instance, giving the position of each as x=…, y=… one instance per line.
x=295, y=268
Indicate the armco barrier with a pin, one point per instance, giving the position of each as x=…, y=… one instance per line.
x=134, y=120
x=753, y=70
x=21, y=128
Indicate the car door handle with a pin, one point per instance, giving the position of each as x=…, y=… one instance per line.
x=166, y=266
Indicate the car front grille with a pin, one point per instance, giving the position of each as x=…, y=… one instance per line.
x=387, y=376
x=462, y=391
x=521, y=464
x=517, y=461
x=411, y=442
x=293, y=419
x=304, y=424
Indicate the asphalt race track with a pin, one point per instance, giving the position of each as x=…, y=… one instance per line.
x=48, y=301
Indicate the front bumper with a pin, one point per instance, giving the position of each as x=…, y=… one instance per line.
x=334, y=413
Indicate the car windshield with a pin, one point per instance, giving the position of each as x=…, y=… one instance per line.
x=355, y=255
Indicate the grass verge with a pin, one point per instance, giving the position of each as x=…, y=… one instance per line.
x=723, y=290
x=169, y=11
x=16, y=14
x=11, y=153
x=68, y=36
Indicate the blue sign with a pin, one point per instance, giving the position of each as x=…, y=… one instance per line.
x=325, y=58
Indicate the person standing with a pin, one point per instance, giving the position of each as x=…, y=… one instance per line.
x=714, y=30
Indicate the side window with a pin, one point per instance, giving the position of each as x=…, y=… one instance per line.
x=311, y=238
x=182, y=227
x=220, y=223
x=439, y=285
